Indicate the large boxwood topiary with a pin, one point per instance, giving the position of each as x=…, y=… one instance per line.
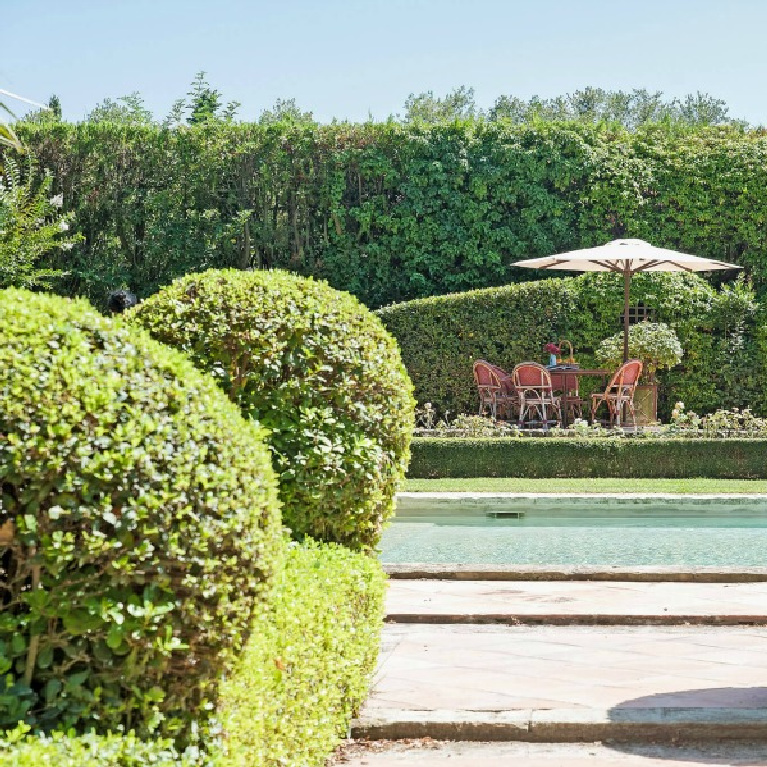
x=319, y=371
x=139, y=523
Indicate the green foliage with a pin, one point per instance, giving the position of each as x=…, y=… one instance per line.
x=307, y=666
x=596, y=457
x=126, y=110
x=725, y=360
x=51, y=113
x=285, y=110
x=204, y=101
x=459, y=104
x=8, y=137
x=31, y=227
x=722, y=423
x=587, y=105
x=319, y=371
x=143, y=524
x=393, y=212
x=631, y=110
x=20, y=749
x=654, y=343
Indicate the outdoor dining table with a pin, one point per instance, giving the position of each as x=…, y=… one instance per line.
x=565, y=379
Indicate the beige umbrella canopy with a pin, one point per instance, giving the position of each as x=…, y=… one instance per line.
x=626, y=257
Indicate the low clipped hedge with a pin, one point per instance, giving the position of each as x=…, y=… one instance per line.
x=18, y=748
x=319, y=371
x=300, y=678
x=139, y=525
x=307, y=667
x=600, y=457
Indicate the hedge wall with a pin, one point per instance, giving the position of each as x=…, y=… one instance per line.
x=721, y=331
x=392, y=212
x=306, y=670
x=301, y=677
x=435, y=458
x=20, y=748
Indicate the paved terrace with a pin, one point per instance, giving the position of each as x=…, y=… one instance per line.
x=560, y=682
x=568, y=602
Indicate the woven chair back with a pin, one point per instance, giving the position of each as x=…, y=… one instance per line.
x=531, y=375
x=626, y=378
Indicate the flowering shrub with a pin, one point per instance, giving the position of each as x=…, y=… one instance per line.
x=722, y=423
x=580, y=427
x=425, y=416
x=654, y=343
x=464, y=425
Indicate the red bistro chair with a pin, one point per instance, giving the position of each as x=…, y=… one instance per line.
x=619, y=392
x=537, y=401
x=495, y=389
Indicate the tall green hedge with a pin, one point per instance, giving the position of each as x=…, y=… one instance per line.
x=721, y=332
x=391, y=212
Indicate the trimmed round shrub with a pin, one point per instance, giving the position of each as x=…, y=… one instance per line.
x=319, y=371
x=139, y=524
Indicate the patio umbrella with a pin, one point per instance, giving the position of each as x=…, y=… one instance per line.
x=626, y=257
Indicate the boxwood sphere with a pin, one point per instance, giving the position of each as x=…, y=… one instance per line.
x=319, y=371
x=139, y=523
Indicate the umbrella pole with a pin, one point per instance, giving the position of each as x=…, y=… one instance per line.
x=626, y=284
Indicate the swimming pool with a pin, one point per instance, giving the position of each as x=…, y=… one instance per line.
x=585, y=530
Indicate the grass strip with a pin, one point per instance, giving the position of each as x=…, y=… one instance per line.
x=695, y=485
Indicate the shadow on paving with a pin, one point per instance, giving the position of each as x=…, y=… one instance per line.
x=721, y=715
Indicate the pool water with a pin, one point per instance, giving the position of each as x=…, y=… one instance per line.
x=600, y=532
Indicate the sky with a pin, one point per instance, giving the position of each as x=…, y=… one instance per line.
x=351, y=59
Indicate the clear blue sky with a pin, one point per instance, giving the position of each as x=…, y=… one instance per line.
x=349, y=58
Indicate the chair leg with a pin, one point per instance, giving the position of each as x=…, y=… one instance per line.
x=595, y=403
x=633, y=413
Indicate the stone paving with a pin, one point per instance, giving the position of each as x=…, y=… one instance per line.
x=502, y=668
x=545, y=692
x=413, y=599
x=435, y=754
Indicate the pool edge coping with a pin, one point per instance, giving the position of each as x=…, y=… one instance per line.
x=632, y=574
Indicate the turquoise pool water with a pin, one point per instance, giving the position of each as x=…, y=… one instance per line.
x=603, y=532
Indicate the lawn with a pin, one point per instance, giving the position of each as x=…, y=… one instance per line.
x=586, y=485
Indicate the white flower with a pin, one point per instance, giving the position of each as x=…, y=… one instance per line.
x=63, y=226
x=57, y=200
x=67, y=245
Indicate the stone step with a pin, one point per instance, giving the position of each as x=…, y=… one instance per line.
x=577, y=602
x=568, y=684
x=639, y=573
x=429, y=753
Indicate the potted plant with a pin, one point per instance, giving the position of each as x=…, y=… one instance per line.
x=657, y=346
